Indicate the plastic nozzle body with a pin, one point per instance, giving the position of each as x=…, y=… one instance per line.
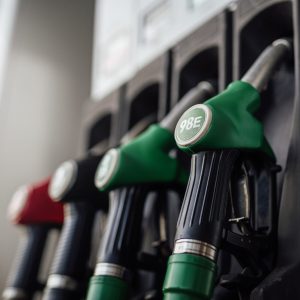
x=146, y=159
x=37, y=207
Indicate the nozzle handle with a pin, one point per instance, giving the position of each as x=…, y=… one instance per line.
x=196, y=95
x=263, y=68
x=199, y=227
x=70, y=264
x=23, y=277
x=204, y=205
x=121, y=239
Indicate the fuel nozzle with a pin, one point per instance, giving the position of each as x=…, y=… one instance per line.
x=120, y=243
x=219, y=133
x=32, y=208
x=73, y=185
x=146, y=158
x=227, y=120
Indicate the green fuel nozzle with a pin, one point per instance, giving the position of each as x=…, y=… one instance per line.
x=216, y=133
x=227, y=120
x=146, y=159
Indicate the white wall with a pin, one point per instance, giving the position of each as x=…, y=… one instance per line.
x=47, y=80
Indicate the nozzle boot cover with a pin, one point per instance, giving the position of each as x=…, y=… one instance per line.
x=106, y=288
x=197, y=285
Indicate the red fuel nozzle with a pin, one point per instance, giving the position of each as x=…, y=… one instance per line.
x=31, y=204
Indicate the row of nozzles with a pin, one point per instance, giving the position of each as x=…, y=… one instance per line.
x=228, y=147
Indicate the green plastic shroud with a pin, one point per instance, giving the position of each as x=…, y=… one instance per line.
x=146, y=159
x=189, y=277
x=233, y=124
x=107, y=288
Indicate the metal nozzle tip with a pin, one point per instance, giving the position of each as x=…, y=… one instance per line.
x=206, y=85
x=264, y=66
x=284, y=42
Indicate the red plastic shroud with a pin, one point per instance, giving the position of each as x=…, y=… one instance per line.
x=39, y=207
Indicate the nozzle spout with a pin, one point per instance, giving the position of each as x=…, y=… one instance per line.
x=196, y=95
x=264, y=66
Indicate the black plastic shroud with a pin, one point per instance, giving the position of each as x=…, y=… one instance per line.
x=204, y=207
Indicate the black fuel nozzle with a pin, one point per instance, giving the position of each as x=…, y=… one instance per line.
x=73, y=185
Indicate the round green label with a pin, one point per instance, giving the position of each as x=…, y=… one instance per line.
x=193, y=125
x=106, y=168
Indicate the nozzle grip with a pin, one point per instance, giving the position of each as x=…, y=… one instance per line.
x=24, y=273
x=73, y=250
x=204, y=206
x=121, y=239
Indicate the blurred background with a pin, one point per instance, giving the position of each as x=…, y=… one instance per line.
x=45, y=77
